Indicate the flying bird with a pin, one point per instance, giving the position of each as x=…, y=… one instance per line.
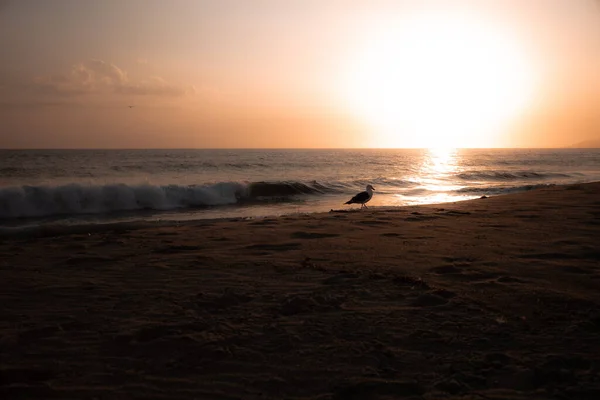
x=362, y=198
x=130, y=106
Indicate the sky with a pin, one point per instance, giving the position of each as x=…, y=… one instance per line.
x=299, y=73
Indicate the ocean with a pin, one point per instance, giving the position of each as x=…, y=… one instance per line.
x=40, y=187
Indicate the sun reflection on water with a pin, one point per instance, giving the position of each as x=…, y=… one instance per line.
x=441, y=160
x=436, y=175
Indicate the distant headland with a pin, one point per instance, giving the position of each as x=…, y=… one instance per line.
x=587, y=144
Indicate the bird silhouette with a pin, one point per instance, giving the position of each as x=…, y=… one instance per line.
x=363, y=197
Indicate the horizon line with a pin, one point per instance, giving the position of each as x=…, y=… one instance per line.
x=287, y=148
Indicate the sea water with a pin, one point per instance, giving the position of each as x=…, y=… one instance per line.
x=98, y=186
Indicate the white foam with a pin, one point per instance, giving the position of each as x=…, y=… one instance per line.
x=40, y=201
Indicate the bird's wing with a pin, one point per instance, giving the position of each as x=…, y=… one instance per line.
x=359, y=198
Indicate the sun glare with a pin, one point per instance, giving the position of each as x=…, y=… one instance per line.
x=439, y=80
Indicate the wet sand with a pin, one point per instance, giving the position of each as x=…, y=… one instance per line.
x=495, y=298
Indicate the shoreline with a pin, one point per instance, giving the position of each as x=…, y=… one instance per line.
x=296, y=204
x=59, y=228
x=494, y=298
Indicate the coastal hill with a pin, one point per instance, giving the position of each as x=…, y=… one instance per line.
x=587, y=144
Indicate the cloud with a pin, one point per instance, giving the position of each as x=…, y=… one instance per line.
x=78, y=81
x=108, y=73
x=97, y=76
x=155, y=87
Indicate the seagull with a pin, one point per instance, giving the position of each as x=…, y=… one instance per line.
x=362, y=197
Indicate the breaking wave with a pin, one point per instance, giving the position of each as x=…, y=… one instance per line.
x=509, y=176
x=70, y=199
x=495, y=190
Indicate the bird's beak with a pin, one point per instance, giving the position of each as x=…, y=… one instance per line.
x=372, y=188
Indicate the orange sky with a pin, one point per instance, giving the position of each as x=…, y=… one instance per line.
x=310, y=73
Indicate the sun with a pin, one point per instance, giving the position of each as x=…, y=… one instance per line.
x=439, y=80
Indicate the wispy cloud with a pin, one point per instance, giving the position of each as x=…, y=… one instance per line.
x=155, y=86
x=97, y=76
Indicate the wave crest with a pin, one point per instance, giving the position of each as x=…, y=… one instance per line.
x=501, y=189
x=43, y=201
x=509, y=176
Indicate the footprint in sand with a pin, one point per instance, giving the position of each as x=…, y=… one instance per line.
x=228, y=298
x=339, y=279
x=275, y=247
x=177, y=249
x=464, y=274
x=87, y=259
x=313, y=235
x=264, y=222
x=297, y=305
x=452, y=212
x=405, y=280
x=373, y=223
x=446, y=269
x=429, y=300
x=422, y=218
x=461, y=259
x=220, y=239
x=510, y=279
x=446, y=294
x=478, y=276
x=391, y=234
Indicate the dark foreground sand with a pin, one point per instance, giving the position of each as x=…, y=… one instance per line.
x=493, y=298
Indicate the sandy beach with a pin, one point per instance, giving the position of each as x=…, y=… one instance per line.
x=494, y=298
